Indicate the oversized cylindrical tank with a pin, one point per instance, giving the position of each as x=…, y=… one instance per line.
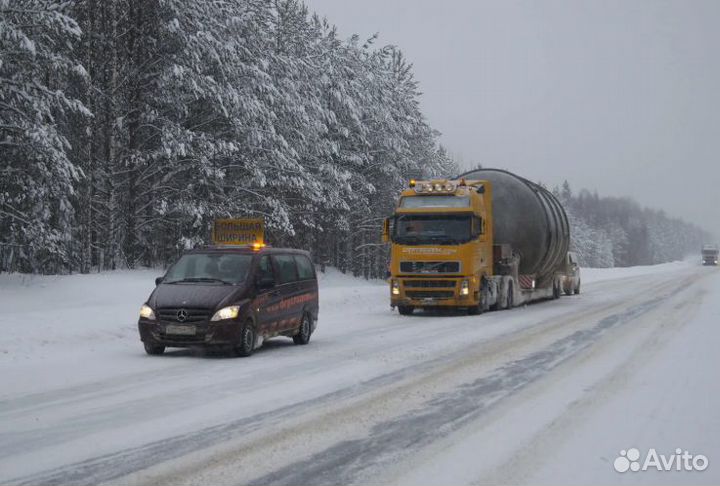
x=530, y=219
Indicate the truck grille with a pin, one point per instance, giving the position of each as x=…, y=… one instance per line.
x=429, y=284
x=425, y=294
x=170, y=314
x=430, y=267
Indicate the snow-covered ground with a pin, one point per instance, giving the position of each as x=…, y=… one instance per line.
x=547, y=393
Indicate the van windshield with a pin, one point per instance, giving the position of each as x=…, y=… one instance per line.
x=221, y=268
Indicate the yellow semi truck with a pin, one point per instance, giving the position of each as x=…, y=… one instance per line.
x=487, y=239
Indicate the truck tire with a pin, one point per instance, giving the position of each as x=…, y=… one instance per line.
x=480, y=307
x=248, y=338
x=475, y=310
x=153, y=349
x=510, y=302
x=556, y=289
x=304, y=331
x=405, y=310
x=577, y=289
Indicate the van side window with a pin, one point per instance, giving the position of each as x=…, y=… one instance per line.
x=286, y=268
x=265, y=268
x=305, y=267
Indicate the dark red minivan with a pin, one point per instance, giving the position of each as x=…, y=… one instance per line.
x=232, y=297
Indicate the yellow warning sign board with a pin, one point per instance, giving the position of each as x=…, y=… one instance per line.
x=238, y=231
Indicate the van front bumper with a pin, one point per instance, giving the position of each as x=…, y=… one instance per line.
x=176, y=335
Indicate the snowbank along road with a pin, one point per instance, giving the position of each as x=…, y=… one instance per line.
x=550, y=392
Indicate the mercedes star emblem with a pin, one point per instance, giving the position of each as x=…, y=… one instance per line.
x=182, y=315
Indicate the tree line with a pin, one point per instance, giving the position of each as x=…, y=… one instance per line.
x=128, y=126
x=618, y=232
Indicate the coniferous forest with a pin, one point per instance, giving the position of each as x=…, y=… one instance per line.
x=618, y=232
x=128, y=126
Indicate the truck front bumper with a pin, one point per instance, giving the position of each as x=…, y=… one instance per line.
x=433, y=292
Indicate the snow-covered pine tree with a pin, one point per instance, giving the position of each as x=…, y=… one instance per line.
x=38, y=181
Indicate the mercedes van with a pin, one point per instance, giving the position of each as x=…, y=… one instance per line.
x=231, y=297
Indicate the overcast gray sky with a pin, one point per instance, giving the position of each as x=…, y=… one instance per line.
x=621, y=96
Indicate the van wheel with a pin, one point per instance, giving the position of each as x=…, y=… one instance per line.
x=246, y=346
x=577, y=289
x=153, y=349
x=405, y=310
x=304, y=331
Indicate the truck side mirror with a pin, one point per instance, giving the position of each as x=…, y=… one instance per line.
x=386, y=230
x=159, y=280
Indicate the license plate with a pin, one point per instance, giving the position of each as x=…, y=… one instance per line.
x=181, y=330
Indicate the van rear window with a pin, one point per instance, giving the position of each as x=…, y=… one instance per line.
x=287, y=271
x=305, y=267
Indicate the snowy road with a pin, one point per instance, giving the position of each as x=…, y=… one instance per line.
x=545, y=393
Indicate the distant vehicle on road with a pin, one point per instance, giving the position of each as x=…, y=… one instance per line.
x=710, y=254
x=232, y=297
x=570, y=272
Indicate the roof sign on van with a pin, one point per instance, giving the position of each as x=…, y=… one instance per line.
x=239, y=232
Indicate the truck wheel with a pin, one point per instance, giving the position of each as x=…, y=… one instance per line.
x=304, y=331
x=556, y=290
x=246, y=346
x=577, y=289
x=510, y=302
x=480, y=307
x=405, y=310
x=153, y=349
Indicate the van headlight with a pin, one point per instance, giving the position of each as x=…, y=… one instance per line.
x=395, y=287
x=230, y=312
x=146, y=312
x=465, y=287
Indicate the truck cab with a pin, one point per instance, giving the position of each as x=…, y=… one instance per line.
x=710, y=254
x=441, y=235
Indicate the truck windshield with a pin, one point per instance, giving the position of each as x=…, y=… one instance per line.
x=219, y=268
x=432, y=229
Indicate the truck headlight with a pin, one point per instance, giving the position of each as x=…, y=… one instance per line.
x=230, y=312
x=465, y=288
x=146, y=312
x=395, y=287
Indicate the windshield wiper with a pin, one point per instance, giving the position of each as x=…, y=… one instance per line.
x=445, y=240
x=426, y=240
x=407, y=239
x=200, y=279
